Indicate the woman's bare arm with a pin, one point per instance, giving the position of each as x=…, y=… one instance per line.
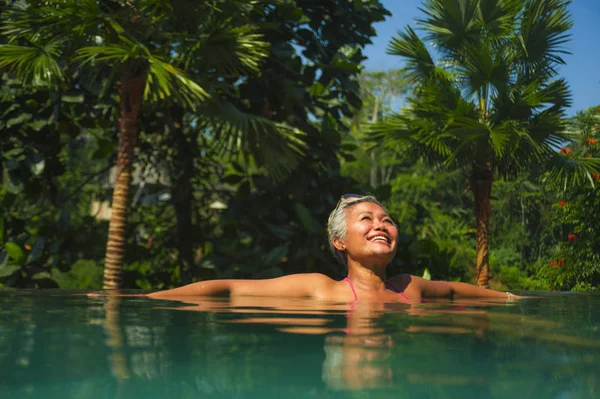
x=201, y=288
x=294, y=285
x=436, y=289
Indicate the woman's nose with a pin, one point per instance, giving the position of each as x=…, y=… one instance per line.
x=379, y=225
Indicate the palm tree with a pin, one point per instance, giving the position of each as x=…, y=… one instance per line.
x=136, y=47
x=486, y=98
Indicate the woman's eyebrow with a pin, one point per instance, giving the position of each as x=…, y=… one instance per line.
x=385, y=215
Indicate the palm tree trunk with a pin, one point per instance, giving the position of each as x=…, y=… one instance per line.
x=131, y=91
x=481, y=184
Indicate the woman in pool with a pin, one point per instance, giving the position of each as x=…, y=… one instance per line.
x=363, y=237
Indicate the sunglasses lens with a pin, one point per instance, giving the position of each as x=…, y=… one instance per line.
x=348, y=196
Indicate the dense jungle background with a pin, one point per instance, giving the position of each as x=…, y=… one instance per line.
x=149, y=144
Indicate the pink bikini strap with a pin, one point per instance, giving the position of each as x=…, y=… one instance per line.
x=352, y=287
x=392, y=285
x=397, y=290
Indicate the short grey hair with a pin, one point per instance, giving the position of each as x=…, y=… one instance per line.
x=337, y=224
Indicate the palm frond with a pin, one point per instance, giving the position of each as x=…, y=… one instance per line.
x=84, y=16
x=165, y=80
x=557, y=93
x=157, y=10
x=277, y=146
x=52, y=19
x=17, y=21
x=37, y=64
x=548, y=127
x=570, y=171
x=542, y=36
x=451, y=24
x=498, y=16
x=583, y=124
x=394, y=127
x=484, y=70
x=502, y=53
x=111, y=53
x=232, y=51
x=520, y=150
x=420, y=64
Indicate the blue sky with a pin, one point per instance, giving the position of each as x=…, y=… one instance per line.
x=583, y=65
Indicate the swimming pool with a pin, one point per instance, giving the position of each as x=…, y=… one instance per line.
x=55, y=344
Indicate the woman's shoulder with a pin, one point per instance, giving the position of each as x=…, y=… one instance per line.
x=318, y=285
x=314, y=279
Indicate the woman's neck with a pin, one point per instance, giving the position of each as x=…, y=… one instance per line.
x=366, y=278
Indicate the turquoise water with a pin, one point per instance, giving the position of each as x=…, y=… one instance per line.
x=60, y=345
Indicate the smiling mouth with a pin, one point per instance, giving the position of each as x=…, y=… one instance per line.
x=380, y=238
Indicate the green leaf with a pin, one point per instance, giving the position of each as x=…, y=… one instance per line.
x=37, y=63
x=12, y=184
x=37, y=165
x=38, y=124
x=306, y=218
x=419, y=62
x=16, y=154
x=24, y=117
x=41, y=276
x=164, y=80
x=426, y=274
x=277, y=146
x=233, y=51
x=318, y=89
x=75, y=98
x=15, y=253
x=8, y=270
x=36, y=251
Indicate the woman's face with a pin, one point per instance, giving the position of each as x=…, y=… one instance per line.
x=371, y=235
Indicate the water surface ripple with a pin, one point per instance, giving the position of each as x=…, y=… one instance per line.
x=66, y=345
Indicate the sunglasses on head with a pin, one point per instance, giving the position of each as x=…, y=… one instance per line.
x=348, y=196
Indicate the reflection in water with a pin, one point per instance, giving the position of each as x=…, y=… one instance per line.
x=117, y=358
x=360, y=358
x=358, y=353
x=354, y=362
x=363, y=357
x=72, y=347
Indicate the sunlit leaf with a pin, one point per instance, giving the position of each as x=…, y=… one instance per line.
x=15, y=253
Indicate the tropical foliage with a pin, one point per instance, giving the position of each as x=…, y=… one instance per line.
x=251, y=119
x=487, y=98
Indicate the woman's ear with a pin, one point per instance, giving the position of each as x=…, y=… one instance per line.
x=339, y=244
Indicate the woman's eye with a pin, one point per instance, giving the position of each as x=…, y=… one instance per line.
x=388, y=221
x=365, y=218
